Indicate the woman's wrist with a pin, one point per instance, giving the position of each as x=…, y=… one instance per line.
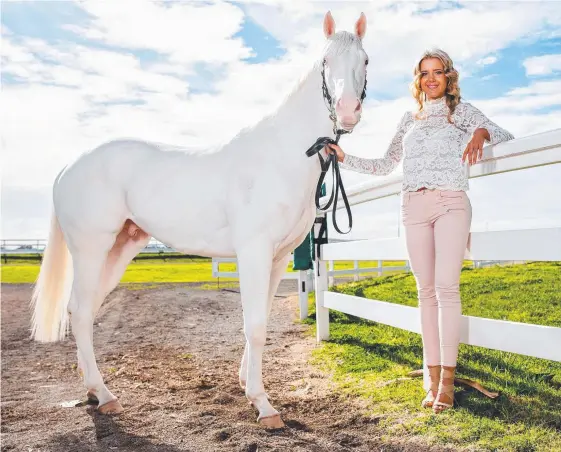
x=483, y=132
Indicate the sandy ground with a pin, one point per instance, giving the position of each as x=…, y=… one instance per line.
x=172, y=354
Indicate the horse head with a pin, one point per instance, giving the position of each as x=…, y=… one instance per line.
x=344, y=72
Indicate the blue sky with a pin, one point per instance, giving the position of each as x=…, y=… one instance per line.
x=45, y=20
x=264, y=45
x=508, y=72
x=194, y=73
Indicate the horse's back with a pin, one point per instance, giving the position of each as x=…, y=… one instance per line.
x=121, y=162
x=98, y=184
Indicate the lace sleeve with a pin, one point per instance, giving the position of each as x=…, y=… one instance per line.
x=470, y=119
x=385, y=165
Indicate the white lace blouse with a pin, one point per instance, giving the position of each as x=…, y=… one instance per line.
x=431, y=147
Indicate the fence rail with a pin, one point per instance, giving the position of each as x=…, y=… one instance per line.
x=495, y=334
x=305, y=280
x=483, y=248
x=37, y=246
x=357, y=271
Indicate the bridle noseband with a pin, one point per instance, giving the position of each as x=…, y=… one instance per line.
x=332, y=159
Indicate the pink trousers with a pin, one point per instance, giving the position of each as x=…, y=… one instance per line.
x=437, y=224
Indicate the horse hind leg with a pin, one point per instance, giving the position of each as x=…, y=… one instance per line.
x=127, y=245
x=89, y=258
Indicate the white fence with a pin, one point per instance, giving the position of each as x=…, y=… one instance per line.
x=22, y=246
x=509, y=245
x=306, y=278
x=356, y=271
x=37, y=246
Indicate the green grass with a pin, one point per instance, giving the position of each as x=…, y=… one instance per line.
x=184, y=270
x=367, y=359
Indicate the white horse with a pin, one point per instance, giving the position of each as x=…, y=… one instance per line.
x=253, y=199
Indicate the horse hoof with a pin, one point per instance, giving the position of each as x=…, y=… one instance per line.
x=92, y=398
x=113, y=407
x=273, y=421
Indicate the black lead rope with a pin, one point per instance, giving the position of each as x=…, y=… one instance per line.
x=337, y=181
x=325, y=164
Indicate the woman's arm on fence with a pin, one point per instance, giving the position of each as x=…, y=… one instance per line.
x=470, y=118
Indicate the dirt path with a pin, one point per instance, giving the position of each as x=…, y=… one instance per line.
x=172, y=354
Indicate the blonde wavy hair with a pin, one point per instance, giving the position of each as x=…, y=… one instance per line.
x=452, y=88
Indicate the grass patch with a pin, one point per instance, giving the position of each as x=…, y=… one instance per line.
x=157, y=270
x=142, y=271
x=365, y=358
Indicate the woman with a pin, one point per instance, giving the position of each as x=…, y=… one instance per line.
x=435, y=143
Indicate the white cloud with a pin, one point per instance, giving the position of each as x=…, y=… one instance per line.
x=520, y=108
x=487, y=60
x=78, y=66
x=186, y=32
x=41, y=131
x=62, y=110
x=541, y=87
x=543, y=65
x=25, y=212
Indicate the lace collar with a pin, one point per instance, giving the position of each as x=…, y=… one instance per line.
x=435, y=107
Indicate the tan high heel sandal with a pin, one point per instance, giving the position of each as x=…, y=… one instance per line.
x=445, y=397
x=434, y=372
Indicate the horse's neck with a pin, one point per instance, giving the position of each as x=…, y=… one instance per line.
x=297, y=123
x=304, y=113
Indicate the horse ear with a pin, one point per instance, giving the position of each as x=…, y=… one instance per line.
x=328, y=25
x=360, y=26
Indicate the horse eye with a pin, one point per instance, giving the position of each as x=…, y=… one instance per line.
x=366, y=62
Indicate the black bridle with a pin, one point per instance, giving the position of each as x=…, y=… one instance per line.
x=332, y=160
x=327, y=97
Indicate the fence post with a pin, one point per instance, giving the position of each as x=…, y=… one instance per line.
x=303, y=291
x=320, y=284
x=426, y=376
x=322, y=314
x=355, y=276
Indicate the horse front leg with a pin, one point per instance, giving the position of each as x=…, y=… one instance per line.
x=255, y=266
x=278, y=271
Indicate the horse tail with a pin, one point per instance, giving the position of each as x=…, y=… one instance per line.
x=52, y=289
